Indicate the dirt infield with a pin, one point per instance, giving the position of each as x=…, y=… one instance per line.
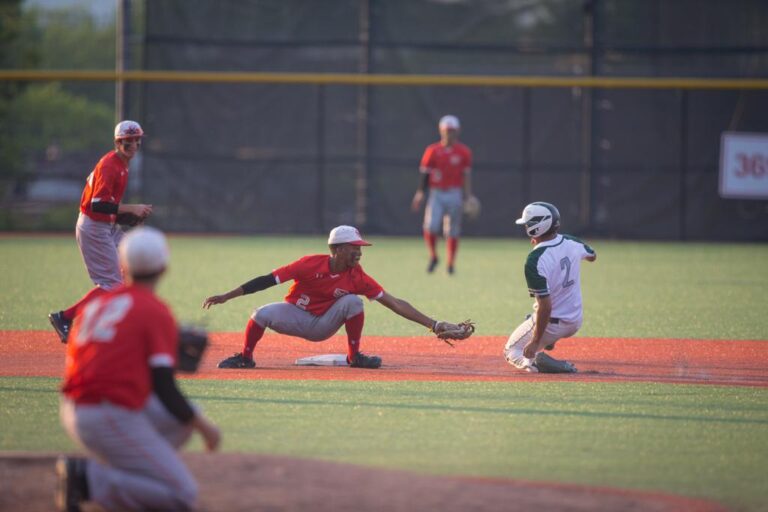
x=257, y=482
x=268, y=483
x=740, y=363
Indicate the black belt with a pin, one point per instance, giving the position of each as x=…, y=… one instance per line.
x=554, y=320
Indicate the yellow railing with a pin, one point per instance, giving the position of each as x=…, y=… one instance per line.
x=384, y=79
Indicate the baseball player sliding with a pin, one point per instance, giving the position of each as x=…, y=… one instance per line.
x=97, y=232
x=120, y=399
x=446, y=171
x=552, y=272
x=322, y=298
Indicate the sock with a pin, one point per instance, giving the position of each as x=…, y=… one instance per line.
x=453, y=247
x=253, y=333
x=431, y=240
x=71, y=311
x=354, y=326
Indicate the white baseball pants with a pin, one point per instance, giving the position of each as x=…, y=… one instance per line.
x=513, y=350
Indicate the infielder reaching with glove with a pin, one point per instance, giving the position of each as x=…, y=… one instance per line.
x=120, y=399
x=322, y=298
x=446, y=172
x=98, y=230
x=552, y=272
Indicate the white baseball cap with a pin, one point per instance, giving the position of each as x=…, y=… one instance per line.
x=346, y=235
x=144, y=252
x=450, y=122
x=126, y=129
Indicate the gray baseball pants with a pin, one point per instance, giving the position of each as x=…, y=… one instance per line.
x=444, y=208
x=98, y=243
x=286, y=318
x=135, y=465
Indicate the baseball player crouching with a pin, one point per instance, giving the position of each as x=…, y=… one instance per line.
x=552, y=273
x=120, y=398
x=323, y=297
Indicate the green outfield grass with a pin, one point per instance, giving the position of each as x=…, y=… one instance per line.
x=703, y=441
x=634, y=289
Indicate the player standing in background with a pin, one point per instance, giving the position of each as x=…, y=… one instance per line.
x=323, y=297
x=120, y=397
x=446, y=171
x=96, y=232
x=552, y=272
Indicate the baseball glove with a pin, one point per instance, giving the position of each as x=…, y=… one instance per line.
x=472, y=207
x=447, y=331
x=192, y=343
x=128, y=219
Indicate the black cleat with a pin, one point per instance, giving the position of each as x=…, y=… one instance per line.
x=432, y=265
x=450, y=270
x=61, y=325
x=72, y=485
x=237, y=361
x=363, y=361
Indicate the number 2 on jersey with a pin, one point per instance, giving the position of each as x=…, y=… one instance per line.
x=99, y=319
x=565, y=264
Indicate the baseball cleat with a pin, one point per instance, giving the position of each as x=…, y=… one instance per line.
x=237, y=361
x=60, y=324
x=363, y=361
x=432, y=265
x=72, y=485
x=450, y=270
x=548, y=364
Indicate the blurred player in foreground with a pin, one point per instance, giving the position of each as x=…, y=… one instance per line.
x=552, y=272
x=121, y=402
x=446, y=173
x=98, y=232
x=323, y=297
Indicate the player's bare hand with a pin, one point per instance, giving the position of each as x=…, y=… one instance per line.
x=210, y=432
x=530, y=350
x=215, y=299
x=418, y=197
x=141, y=210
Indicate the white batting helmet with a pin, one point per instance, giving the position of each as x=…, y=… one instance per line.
x=126, y=129
x=144, y=252
x=539, y=219
x=449, y=122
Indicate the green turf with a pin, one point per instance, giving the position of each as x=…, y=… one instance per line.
x=703, y=441
x=634, y=289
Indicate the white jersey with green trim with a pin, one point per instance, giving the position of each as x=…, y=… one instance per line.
x=553, y=269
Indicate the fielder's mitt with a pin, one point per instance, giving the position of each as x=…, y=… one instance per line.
x=472, y=207
x=192, y=343
x=447, y=331
x=128, y=219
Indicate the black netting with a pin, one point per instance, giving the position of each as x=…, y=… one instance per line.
x=302, y=158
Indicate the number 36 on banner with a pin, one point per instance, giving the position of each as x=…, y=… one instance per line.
x=744, y=165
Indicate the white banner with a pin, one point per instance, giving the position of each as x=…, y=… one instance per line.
x=744, y=165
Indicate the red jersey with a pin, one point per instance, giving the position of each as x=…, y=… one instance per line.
x=315, y=289
x=446, y=165
x=114, y=342
x=106, y=183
